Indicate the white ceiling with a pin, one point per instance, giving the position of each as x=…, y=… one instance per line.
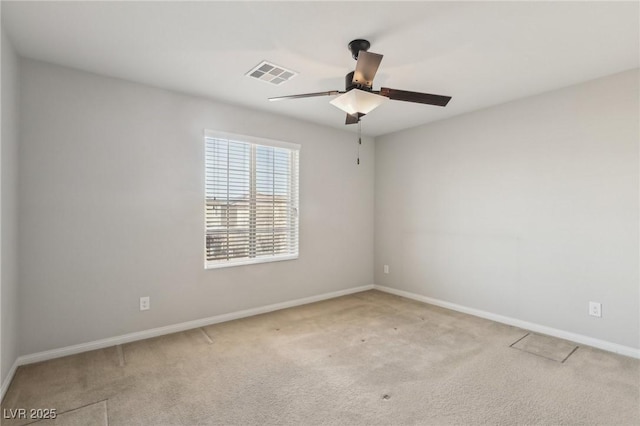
x=480, y=53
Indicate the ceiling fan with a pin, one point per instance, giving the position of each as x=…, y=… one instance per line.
x=359, y=98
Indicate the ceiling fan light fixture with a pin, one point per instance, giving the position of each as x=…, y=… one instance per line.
x=358, y=101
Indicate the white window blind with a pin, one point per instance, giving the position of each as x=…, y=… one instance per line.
x=251, y=200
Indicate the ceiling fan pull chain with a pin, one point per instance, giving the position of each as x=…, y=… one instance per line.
x=359, y=140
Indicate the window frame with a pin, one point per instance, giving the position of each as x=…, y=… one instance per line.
x=253, y=140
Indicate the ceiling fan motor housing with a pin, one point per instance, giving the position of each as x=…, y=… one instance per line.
x=348, y=81
x=350, y=84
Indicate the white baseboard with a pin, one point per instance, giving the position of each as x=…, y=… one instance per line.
x=566, y=335
x=154, y=332
x=7, y=380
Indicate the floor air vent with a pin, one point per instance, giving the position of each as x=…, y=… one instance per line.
x=545, y=346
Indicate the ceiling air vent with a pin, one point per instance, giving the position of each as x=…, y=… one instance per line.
x=271, y=73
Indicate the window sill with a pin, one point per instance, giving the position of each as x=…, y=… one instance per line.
x=229, y=264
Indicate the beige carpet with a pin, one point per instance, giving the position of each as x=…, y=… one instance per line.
x=369, y=358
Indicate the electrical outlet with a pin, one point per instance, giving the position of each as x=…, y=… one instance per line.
x=386, y=269
x=595, y=309
x=145, y=303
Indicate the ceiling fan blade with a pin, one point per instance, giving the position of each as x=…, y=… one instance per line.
x=421, y=98
x=307, y=95
x=354, y=118
x=366, y=68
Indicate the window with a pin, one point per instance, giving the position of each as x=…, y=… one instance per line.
x=251, y=200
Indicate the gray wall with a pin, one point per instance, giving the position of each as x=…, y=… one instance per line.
x=527, y=209
x=111, y=209
x=8, y=210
